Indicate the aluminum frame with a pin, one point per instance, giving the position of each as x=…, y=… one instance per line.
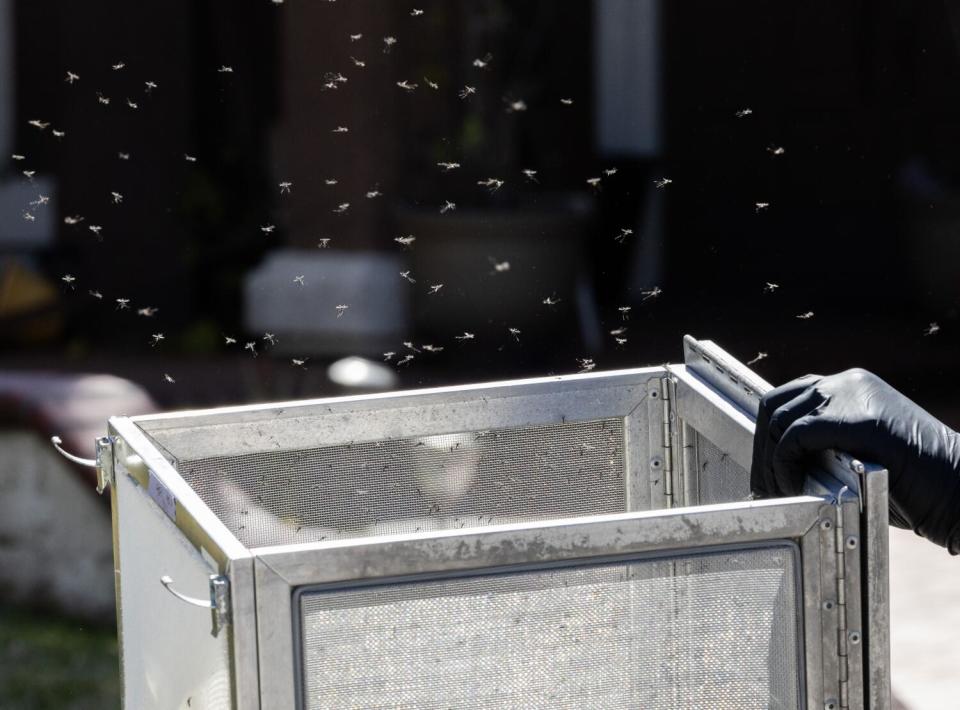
x=711, y=394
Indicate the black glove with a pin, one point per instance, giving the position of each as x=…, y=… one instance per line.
x=858, y=413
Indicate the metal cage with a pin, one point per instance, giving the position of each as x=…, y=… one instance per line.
x=560, y=542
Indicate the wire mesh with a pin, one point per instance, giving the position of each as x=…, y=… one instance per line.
x=705, y=631
x=458, y=480
x=721, y=479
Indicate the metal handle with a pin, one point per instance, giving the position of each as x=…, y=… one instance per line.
x=167, y=583
x=218, y=603
x=56, y=441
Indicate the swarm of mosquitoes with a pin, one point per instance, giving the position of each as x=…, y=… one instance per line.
x=114, y=199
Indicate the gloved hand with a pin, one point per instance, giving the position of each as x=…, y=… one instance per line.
x=858, y=413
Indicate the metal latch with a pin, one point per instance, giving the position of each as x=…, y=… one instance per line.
x=103, y=463
x=218, y=603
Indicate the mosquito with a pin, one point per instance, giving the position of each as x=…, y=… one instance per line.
x=356, y=37
x=467, y=335
x=409, y=344
x=323, y=243
x=586, y=364
x=932, y=329
x=406, y=85
x=72, y=219
x=123, y=156
x=300, y=280
x=408, y=277
x=123, y=304
x=624, y=233
x=435, y=288
x=58, y=134
x=169, y=378
x=776, y=150
x=227, y=340
x=760, y=206
x=447, y=167
x=270, y=338
x=531, y=175
x=618, y=331
x=517, y=106
x=299, y=362
x=17, y=156
x=189, y=158
x=373, y=194
x=467, y=91
x=268, y=228
x=252, y=347
x=770, y=287
x=388, y=356
x=594, y=182
x=744, y=112
x=149, y=86
x=71, y=77
x=340, y=129
x=29, y=216
x=515, y=332
x=117, y=197
x=662, y=182
x=96, y=229
x=493, y=184
x=405, y=241
x=625, y=312
x=147, y=311
x=225, y=69
x=388, y=43
x=119, y=65
x=433, y=348
x=42, y=125
x=760, y=356
x=416, y=12
x=448, y=206
x=342, y=208
x=610, y=172
x=405, y=359
x=156, y=338
x=132, y=104
x=551, y=300
x=432, y=84
x=651, y=293
x=96, y=294
x=40, y=201
x=567, y=102
x=358, y=62
x=105, y=100
x=330, y=182
x=29, y=174
x=341, y=309
x=68, y=279
x=620, y=342
x=501, y=266
x=483, y=63
x=806, y=316
x=285, y=187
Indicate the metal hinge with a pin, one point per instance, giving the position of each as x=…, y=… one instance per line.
x=103, y=463
x=666, y=384
x=219, y=602
x=842, y=633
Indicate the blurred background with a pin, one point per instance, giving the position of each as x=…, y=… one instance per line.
x=206, y=202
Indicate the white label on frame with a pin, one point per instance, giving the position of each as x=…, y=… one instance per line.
x=162, y=497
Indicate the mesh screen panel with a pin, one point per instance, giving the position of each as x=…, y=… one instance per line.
x=721, y=479
x=416, y=484
x=710, y=631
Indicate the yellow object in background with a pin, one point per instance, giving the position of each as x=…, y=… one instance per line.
x=29, y=310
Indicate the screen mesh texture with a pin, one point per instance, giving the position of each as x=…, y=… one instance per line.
x=721, y=479
x=413, y=484
x=708, y=631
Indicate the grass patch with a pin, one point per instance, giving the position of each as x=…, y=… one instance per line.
x=51, y=662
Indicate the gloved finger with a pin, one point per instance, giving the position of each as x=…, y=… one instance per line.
x=808, y=435
x=781, y=420
x=769, y=403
